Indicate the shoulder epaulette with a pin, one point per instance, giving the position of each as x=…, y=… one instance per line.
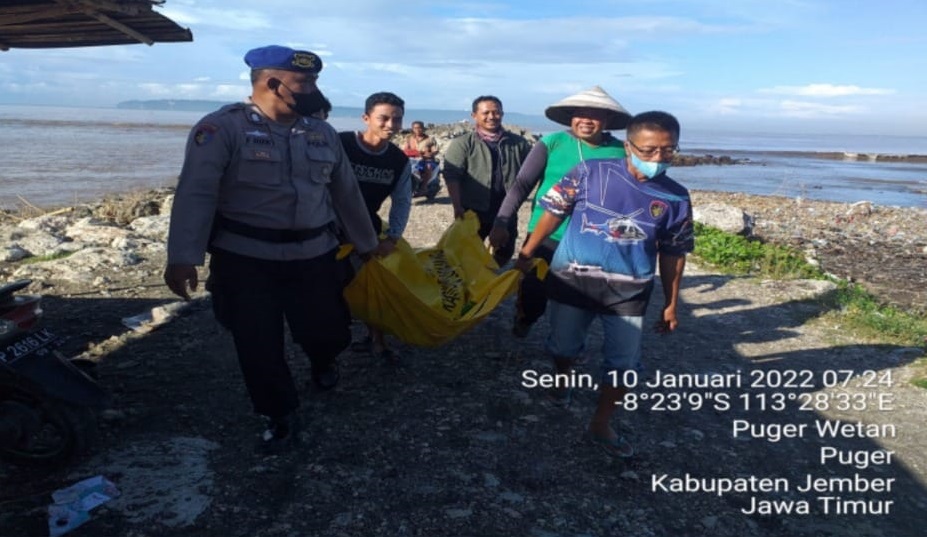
x=233, y=108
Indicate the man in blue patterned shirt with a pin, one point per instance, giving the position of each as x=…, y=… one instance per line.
x=628, y=218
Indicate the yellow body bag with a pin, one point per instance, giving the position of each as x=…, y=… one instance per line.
x=429, y=296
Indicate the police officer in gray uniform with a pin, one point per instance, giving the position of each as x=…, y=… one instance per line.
x=262, y=187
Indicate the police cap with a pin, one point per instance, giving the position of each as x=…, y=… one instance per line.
x=283, y=58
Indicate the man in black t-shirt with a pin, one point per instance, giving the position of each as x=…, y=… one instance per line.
x=382, y=170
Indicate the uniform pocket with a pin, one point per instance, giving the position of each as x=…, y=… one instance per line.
x=259, y=165
x=321, y=163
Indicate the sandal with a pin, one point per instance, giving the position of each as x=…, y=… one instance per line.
x=364, y=345
x=618, y=447
x=281, y=435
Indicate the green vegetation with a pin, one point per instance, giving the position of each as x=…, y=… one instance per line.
x=876, y=320
x=855, y=309
x=41, y=258
x=920, y=375
x=738, y=255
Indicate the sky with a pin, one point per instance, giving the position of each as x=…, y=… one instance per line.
x=797, y=66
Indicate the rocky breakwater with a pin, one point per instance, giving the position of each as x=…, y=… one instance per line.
x=699, y=160
x=861, y=157
x=445, y=132
x=882, y=248
x=87, y=245
x=98, y=267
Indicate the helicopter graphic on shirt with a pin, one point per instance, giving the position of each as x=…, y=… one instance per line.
x=619, y=228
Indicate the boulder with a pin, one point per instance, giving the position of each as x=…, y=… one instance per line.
x=724, y=217
x=83, y=266
x=54, y=224
x=152, y=227
x=40, y=243
x=95, y=233
x=860, y=208
x=138, y=244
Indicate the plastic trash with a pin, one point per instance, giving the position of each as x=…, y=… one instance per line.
x=72, y=505
x=154, y=318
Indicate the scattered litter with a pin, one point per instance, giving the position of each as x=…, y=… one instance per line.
x=147, y=321
x=72, y=505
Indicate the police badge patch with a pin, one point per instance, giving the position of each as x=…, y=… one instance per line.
x=204, y=133
x=304, y=60
x=657, y=208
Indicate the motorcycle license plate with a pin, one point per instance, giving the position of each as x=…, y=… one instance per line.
x=37, y=341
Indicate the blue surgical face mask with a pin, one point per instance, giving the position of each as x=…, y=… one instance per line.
x=650, y=169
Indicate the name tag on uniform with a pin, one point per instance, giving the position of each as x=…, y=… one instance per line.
x=316, y=139
x=258, y=138
x=259, y=153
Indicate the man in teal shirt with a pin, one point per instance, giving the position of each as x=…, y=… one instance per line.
x=589, y=115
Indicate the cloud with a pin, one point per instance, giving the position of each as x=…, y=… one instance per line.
x=231, y=92
x=734, y=106
x=802, y=109
x=15, y=87
x=634, y=86
x=826, y=90
x=530, y=41
x=155, y=90
x=391, y=68
x=231, y=19
x=728, y=106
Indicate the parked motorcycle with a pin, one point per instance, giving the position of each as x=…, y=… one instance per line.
x=47, y=403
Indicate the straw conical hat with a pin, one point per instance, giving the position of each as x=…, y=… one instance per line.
x=594, y=97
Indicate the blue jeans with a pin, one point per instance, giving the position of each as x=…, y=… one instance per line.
x=621, y=346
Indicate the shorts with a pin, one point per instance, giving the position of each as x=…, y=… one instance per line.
x=621, y=345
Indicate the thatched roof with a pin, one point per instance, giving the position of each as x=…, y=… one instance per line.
x=85, y=23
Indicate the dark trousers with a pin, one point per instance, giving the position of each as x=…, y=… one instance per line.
x=532, y=296
x=504, y=254
x=252, y=298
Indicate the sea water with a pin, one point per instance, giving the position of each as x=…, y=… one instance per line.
x=54, y=156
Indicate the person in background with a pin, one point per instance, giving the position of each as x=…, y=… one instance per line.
x=589, y=114
x=411, y=144
x=425, y=173
x=480, y=166
x=261, y=187
x=628, y=218
x=382, y=171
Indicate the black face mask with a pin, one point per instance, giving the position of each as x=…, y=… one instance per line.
x=308, y=104
x=304, y=104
